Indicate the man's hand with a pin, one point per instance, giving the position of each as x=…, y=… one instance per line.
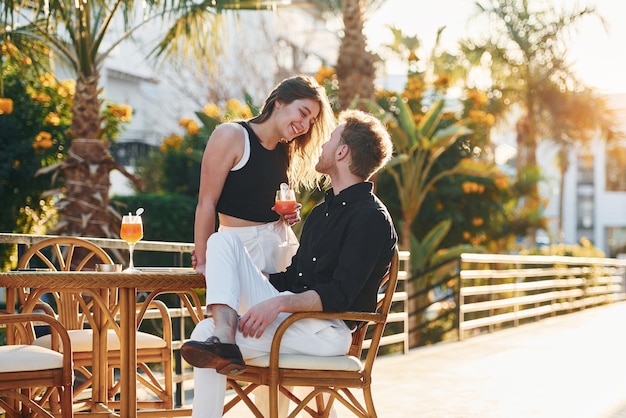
x=254, y=322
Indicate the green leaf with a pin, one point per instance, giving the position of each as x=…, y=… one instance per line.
x=256, y=110
x=210, y=123
x=422, y=252
x=430, y=121
x=446, y=137
x=406, y=120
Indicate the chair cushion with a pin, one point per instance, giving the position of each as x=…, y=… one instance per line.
x=82, y=340
x=301, y=361
x=23, y=358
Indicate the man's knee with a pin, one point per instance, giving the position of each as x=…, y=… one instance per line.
x=203, y=330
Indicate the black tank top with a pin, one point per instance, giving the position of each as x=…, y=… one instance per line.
x=249, y=192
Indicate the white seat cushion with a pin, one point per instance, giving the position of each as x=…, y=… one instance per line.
x=301, y=361
x=22, y=358
x=82, y=340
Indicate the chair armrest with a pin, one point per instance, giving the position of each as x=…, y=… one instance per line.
x=141, y=309
x=294, y=317
x=58, y=332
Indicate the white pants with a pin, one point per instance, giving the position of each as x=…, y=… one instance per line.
x=262, y=243
x=234, y=280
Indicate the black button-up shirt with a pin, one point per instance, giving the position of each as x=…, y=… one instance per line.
x=346, y=246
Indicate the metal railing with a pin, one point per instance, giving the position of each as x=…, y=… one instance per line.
x=478, y=293
x=496, y=291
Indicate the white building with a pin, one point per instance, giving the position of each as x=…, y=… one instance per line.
x=594, y=197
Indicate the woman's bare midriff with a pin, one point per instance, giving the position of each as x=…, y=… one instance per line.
x=231, y=221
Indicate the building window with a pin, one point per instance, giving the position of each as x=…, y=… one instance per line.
x=127, y=153
x=616, y=241
x=585, y=169
x=616, y=168
x=585, y=212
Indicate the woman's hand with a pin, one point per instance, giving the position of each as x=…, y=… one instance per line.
x=293, y=218
x=194, y=263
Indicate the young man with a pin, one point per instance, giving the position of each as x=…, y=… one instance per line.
x=346, y=246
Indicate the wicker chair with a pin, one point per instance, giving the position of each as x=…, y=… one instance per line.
x=328, y=378
x=75, y=310
x=35, y=380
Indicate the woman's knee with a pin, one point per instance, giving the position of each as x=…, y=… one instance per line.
x=222, y=240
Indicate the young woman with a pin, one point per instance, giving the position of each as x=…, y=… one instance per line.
x=244, y=164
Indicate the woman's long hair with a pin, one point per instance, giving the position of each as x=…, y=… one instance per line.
x=304, y=150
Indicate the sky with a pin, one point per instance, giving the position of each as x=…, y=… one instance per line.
x=598, y=55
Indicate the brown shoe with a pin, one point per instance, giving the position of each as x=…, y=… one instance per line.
x=212, y=354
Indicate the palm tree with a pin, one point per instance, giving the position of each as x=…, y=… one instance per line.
x=355, y=65
x=75, y=31
x=525, y=47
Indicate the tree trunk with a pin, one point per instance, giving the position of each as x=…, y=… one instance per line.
x=355, y=65
x=85, y=209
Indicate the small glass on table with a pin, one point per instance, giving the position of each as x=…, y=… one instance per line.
x=131, y=232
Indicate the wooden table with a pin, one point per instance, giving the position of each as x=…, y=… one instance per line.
x=99, y=284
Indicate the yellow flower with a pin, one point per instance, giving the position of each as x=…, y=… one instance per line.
x=121, y=111
x=245, y=112
x=501, y=182
x=47, y=80
x=6, y=105
x=477, y=221
x=414, y=88
x=478, y=98
x=481, y=117
x=233, y=105
x=53, y=119
x=213, y=110
x=192, y=128
x=43, y=140
x=9, y=49
x=472, y=187
x=41, y=98
x=324, y=74
x=184, y=122
x=67, y=88
x=171, y=142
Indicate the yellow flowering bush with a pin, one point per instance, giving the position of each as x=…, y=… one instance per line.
x=175, y=166
x=32, y=137
x=114, y=118
x=171, y=142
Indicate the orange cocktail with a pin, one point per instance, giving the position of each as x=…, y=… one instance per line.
x=285, y=207
x=131, y=232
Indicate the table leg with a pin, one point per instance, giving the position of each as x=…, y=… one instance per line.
x=100, y=372
x=128, y=352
